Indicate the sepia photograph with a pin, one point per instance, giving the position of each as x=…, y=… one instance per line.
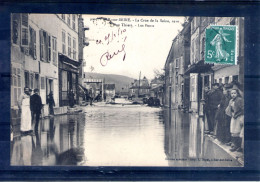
x=117, y=90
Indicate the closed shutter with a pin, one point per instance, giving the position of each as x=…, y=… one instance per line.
x=42, y=46
x=48, y=48
x=34, y=45
x=31, y=41
x=32, y=49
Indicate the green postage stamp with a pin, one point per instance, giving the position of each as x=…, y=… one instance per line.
x=221, y=44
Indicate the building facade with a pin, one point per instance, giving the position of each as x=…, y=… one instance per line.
x=44, y=55
x=176, y=84
x=186, y=78
x=140, y=88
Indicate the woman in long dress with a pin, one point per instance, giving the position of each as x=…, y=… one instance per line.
x=24, y=106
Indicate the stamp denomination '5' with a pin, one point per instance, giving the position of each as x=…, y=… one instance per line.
x=220, y=45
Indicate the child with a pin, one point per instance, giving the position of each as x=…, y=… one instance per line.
x=235, y=109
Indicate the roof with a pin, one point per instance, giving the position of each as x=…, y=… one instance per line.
x=141, y=87
x=218, y=67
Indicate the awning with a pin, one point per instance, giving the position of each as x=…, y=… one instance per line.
x=68, y=64
x=82, y=90
x=199, y=67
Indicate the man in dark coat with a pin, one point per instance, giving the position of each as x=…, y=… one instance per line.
x=214, y=99
x=51, y=102
x=36, y=106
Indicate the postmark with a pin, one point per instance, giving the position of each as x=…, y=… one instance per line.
x=221, y=44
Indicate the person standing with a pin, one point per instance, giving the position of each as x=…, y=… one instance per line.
x=24, y=110
x=36, y=104
x=214, y=99
x=223, y=120
x=235, y=109
x=51, y=103
x=90, y=96
x=71, y=98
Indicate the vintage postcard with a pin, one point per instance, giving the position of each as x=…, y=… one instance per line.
x=116, y=90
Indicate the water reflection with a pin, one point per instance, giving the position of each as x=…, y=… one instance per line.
x=58, y=142
x=124, y=136
x=186, y=145
x=120, y=136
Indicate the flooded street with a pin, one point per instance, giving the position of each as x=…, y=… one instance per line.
x=120, y=135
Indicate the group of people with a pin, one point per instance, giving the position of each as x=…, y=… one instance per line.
x=30, y=107
x=224, y=113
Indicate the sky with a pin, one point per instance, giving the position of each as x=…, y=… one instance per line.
x=120, y=45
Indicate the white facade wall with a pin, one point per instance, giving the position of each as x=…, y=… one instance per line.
x=63, y=26
x=49, y=70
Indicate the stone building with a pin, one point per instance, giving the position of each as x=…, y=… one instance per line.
x=140, y=88
x=176, y=64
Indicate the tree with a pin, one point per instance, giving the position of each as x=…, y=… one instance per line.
x=159, y=75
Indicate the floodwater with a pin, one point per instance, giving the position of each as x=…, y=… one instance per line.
x=120, y=135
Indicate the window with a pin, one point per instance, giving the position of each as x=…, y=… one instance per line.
x=16, y=85
x=73, y=22
x=36, y=81
x=54, y=50
x=74, y=49
x=42, y=83
x=32, y=81
x=206, y=81
x=68, y=19
x=196, y=51
x=15, y=28
x=32, y=48
x=63, y=16
x=24, y=30
x=69, y=45
x=226, y=79
x=49, y=48
x=192, y=25
x=45, y=46
x=203, y=48
x=235, y=78
x=177, y=63
x=26, y=79
x=63, y=42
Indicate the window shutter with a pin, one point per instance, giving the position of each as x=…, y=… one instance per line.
x=34, y=45
x=31, y=41
x=46, y=46
x=41, y=45
x=24, y=30
x=49, y=48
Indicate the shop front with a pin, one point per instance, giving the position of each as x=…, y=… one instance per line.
x=68, y=79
